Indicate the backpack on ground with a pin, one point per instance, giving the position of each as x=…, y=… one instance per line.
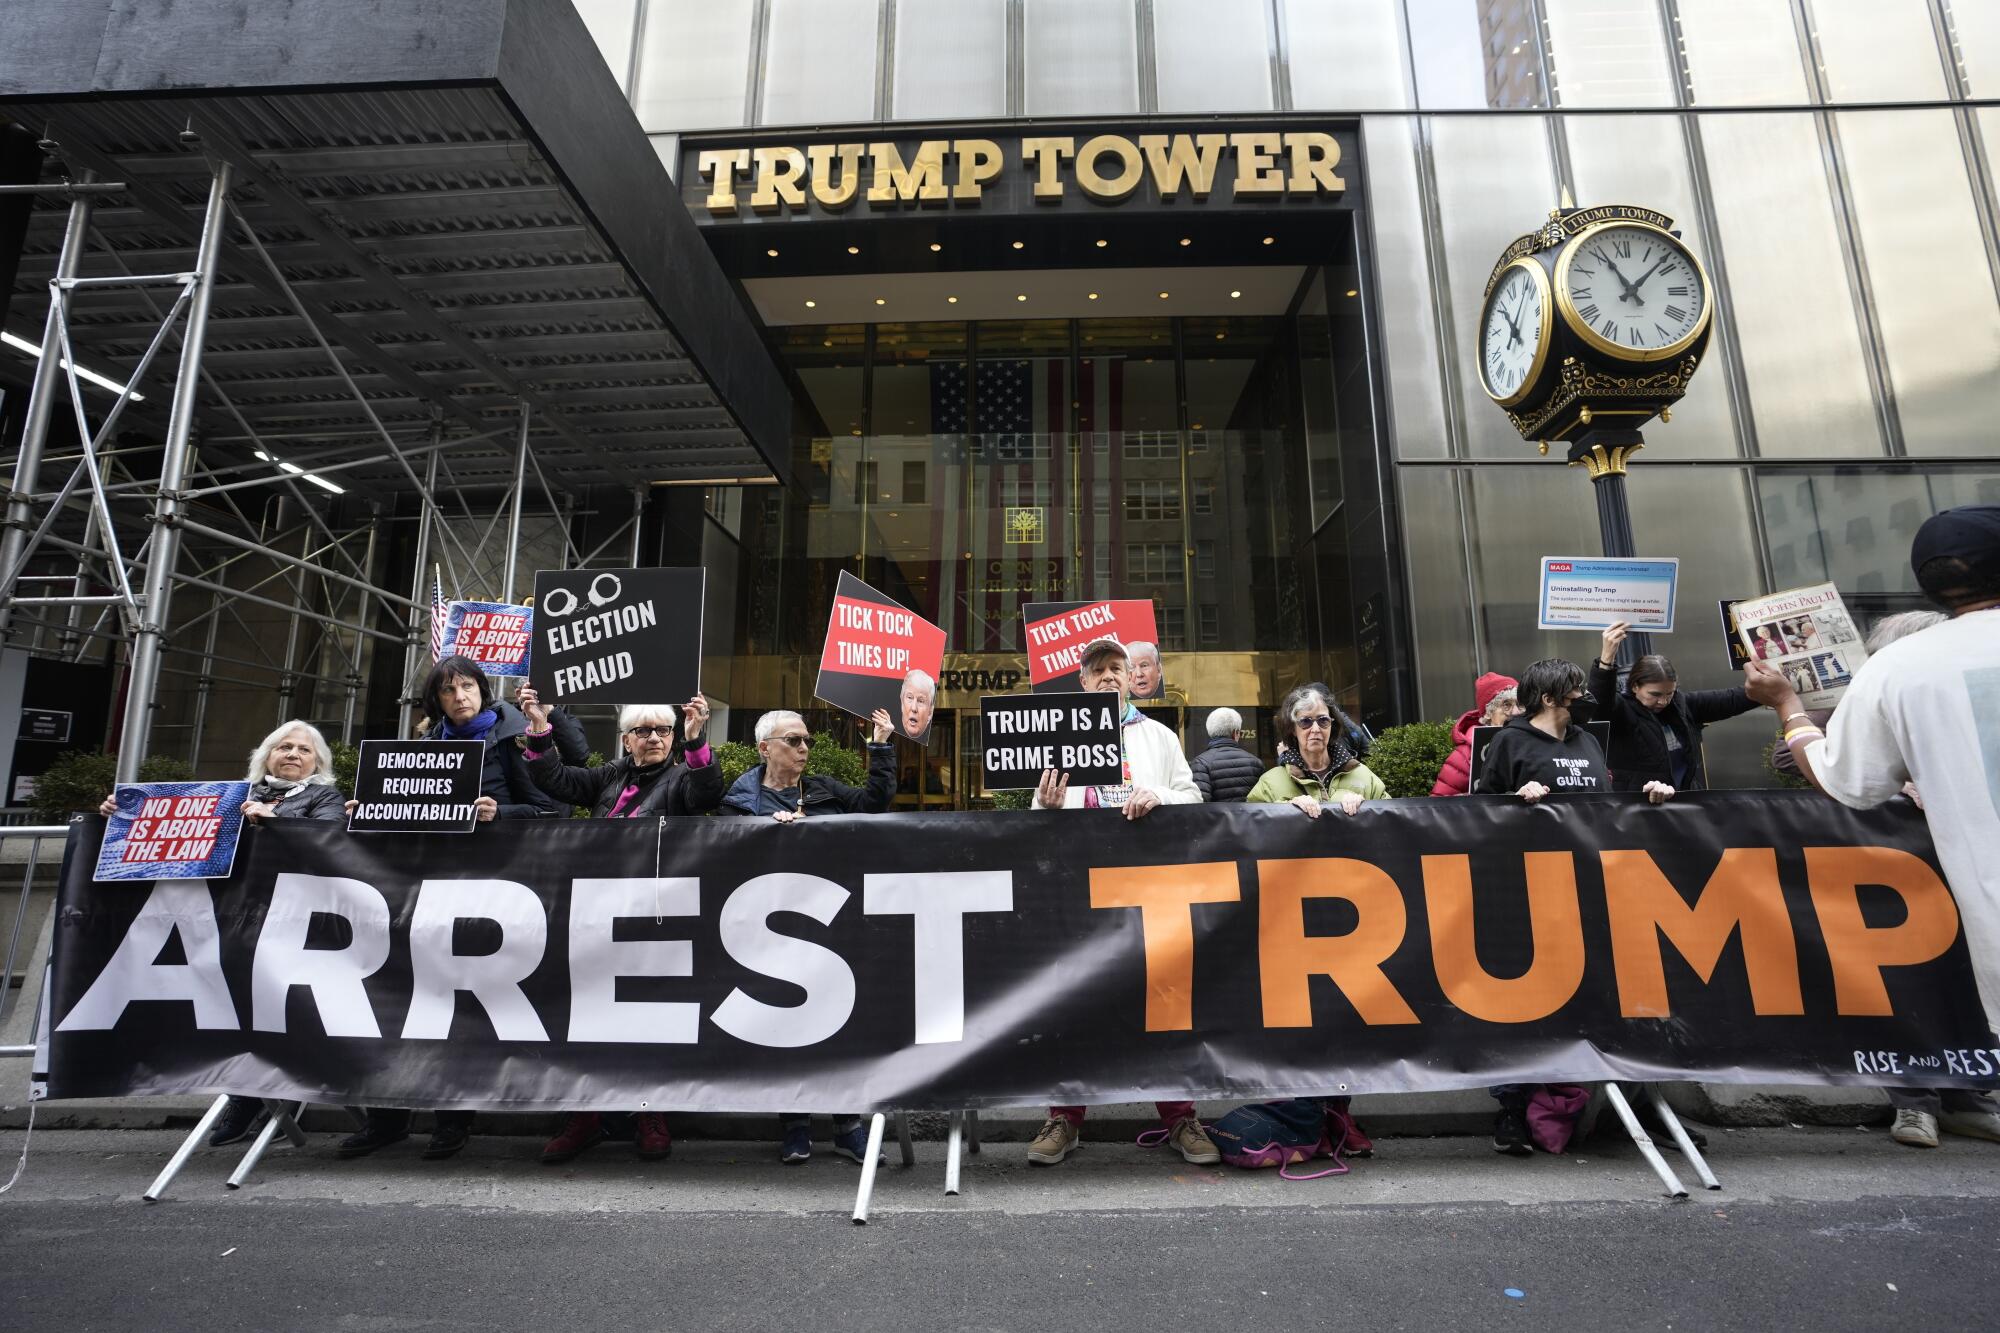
x=1283, y=1134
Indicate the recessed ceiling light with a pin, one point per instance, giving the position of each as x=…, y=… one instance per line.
x=1101, y=243
x=1234, y=295
x=1187, y=240
x=1194, y=425
x=1269, y=240
x=1163, y=296
x=827, y=343
x=773, y=252
x=1220, y=336
x=935, y=247
x=811, y=304
x=1093, y=296
x=1020, y=245
x=1352, y=292
x=881, y=301
x=854, y=249
x=855, y=431
x=1022, y=297
x=951, y=300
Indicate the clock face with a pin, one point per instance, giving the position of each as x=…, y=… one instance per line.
x=1633, y=291
x=1514, y=334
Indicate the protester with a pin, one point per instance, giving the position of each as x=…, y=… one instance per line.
x=1495, y=698
x=915, y=703
x=1225, y=771
x=1886, y=631
x=459, y=704
x=1655, y=725
x=290, y=777
x=1154, y=772
x=1544, y=749
x=645, y=784
x=781, y=788
x=1925, y=709
x=1148, y=675
x=1321, y=766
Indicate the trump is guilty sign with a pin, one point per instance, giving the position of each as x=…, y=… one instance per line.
x=172, y=830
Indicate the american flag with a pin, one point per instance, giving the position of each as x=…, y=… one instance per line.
x=440, y=611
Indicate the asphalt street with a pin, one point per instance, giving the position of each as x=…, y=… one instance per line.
x=1823, y=1229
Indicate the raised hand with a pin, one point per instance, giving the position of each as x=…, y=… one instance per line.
x=1054, y=787
x=884, y=727
x=694, y=716
x=1613, y=636
x=531, y=704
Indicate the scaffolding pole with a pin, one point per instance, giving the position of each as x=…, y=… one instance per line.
x=520, y=494
x=420, y=606
x=144, y=676
x=41, y=402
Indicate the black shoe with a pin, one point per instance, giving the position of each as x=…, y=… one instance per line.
x=377, y=1134
x=447, y=1139
x=1657, y=1131
x=239, y=1120
x=1510, y=1132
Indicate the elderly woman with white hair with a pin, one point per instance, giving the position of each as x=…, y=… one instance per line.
x=644, y=784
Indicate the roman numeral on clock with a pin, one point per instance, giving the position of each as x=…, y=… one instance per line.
x=1609, y=330
x=1677, y=291
x=1589, y=313
x=1674, y=312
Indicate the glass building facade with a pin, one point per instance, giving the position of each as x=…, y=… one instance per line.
x=1320, y=488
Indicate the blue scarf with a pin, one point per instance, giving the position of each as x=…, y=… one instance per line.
x=473, y=728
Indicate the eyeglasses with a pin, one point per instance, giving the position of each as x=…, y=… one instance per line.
x=1315, y=723
x=796, y=742
x=647, y=733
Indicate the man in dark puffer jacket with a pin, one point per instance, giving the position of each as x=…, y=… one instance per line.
x=1225, y=771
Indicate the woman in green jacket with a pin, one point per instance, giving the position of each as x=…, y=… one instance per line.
x=1321, y=767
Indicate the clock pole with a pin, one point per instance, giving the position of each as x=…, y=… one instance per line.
x=1604, y=454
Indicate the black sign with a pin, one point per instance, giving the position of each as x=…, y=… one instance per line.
x=1075, y=733
x=1006, y=958
x=617, y=636
x=45, y=724
x=417, y=786
x=1483, y=737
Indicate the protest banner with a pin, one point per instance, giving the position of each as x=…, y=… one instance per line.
x=1807, y=634
x=1597, y=592
x=1056, y=633
x=617, y=636
x=1009, y=958
x=1483, y=737
x=880, y=654
x=172, y=830
x=493, y=634
x=417, y=786
x=1075, y=733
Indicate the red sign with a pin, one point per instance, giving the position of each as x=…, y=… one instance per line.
x=1057, y=632
x=880, y=654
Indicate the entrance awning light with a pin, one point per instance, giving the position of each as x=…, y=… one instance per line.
x=20, y=344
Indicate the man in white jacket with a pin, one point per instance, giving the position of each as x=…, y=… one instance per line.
x=1155, y=773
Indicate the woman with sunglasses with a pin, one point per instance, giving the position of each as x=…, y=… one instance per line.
x=780, y=787
x=1316, y=764
x=645, y=784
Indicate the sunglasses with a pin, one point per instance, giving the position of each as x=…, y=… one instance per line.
x=647, y=733
x=1314, y=723
x=796, y=742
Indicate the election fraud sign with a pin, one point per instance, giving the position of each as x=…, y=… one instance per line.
x=617, y=636
x=417, y=786
x=493, y=634
x=880, y=654
x=1596, y=592
x=1076, y=733
x=172, y=830
x=1009, y=958
x=1056, y=634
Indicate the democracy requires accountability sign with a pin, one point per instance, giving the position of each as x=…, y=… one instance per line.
x=617, y=636
x=417, y=786
x=1003, y=958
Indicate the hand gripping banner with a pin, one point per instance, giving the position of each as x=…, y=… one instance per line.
x=1005, y=958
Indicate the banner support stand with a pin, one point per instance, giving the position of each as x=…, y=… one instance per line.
x=279, y=1117
x=866, y=1193
x=1616, y=1096
x=1682, y=1140
x=158, y=1188
x=903, y=1138
x=954, y=1144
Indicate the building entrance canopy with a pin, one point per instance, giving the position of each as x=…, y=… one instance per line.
x=454, y=195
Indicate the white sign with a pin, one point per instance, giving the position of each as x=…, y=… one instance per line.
x=1596, y=592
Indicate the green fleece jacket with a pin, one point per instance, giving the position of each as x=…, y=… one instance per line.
x=1282, y=784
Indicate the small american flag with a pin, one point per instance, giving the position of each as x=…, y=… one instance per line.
x=440, y=611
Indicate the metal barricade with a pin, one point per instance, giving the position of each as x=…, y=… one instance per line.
x=36, y=834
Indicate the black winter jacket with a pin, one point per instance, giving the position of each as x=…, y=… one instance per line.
x=1639, y=735
x=823, y=795
x=678, y=791
x=315, y=800
x=505, y=774
x=1225, y=771
x=1521, y=754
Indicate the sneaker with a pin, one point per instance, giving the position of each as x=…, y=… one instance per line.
x=1915, y=1129
x=853, y=1145
x=448, y=1138
x=1510, y=1132
x=798, y=1144
x=1057, y=1140
x=375, y=1134
x=239, y=1120
x=582, y=1131
x=1345, y=1132
x=650, y=1138
x=1188, y=1138
x=1971, y=1124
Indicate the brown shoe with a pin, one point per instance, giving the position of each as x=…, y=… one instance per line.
x=1191, y=1141
x=583, y=1130
x=1057, y=1140
x=650, y=1137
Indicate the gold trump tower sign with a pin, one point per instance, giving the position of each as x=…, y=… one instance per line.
x=1249, y=167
